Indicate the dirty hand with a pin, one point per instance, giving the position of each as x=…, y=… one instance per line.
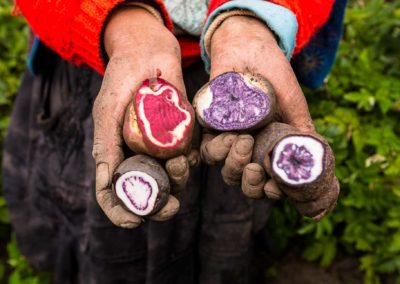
x=245, y=44
x=137, y=44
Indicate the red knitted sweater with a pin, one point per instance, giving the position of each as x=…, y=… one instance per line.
x=72, y=28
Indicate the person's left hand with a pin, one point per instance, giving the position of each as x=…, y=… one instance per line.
x=245, y=44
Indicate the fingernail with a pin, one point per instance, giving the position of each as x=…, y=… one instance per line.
x=129, y=225
x=272, y=190
x=253, y=176
x=244, y=146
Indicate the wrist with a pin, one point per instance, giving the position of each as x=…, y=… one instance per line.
x=239, y=43
x=238, y=28
x=125, y=24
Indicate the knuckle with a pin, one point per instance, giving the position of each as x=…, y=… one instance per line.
x=237, y=162
x=97, y=151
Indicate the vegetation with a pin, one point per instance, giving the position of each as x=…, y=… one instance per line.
x=13, y=46
x=358, y=110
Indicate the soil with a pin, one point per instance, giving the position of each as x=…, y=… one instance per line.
x=287, y=268
x=292, y=269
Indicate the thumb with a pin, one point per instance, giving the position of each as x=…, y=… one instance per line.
x=108, y=114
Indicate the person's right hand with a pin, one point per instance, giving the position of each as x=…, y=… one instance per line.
x=137, y=45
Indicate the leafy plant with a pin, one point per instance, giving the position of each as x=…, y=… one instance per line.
x=358, y=110
x=13, y=46
x=21, y=272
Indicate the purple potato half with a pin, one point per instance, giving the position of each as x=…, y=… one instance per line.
x=235, y=101
x=142, y=185
x=302, y=164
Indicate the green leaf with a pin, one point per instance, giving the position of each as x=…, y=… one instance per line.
x=15, y=278
x=394, y=244
x=306, y=229
x=329, y=254
x=313, y=252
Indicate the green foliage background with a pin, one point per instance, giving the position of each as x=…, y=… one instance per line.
x=358, y=110
x=14, y=268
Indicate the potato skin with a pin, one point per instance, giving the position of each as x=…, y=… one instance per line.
x=314, y=199
x=137, y=141
x=132, y=135
x=150, y=166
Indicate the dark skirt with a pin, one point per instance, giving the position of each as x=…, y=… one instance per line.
x=48, y=182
